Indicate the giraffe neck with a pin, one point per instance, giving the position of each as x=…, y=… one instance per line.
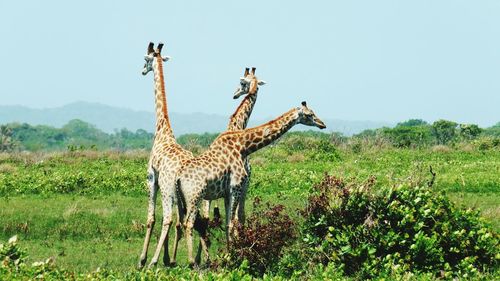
x=256, y=138
x=239, y=119
x=163, y=128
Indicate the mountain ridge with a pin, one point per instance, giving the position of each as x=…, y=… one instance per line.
x=109, y=118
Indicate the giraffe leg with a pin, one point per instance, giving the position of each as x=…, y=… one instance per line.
x=167, y=204
x=244, y=189
x=189, y=236
x=178, y=232
x=153, y=191
x=232, y=216
x=227, y=202
x=203, y=234
x=204, y=243
x=241, y=203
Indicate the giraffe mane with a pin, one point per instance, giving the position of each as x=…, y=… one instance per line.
x=162, y=88
x=247, y=97
x=260, y=126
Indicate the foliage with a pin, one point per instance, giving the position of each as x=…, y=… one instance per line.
x=81, y=172
x=79, y=135
x=76, y=134
x=6, y=141
x=261, y=239
x=469, y=131
x=493, y=131
x=315, y=146
x=405, y=228
x=196, y=143
x=14, y=267
x=10, y=254
x=203, y=140
x=413, y=123
x=100, y=222
x=444, y=131
x=487, y=143
x=403, y=136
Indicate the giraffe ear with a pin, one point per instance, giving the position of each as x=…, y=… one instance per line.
x=165, y=58
x=261, y=82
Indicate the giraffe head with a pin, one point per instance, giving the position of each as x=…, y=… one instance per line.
x=308, y=118
x=152, y=57
x=249, y=84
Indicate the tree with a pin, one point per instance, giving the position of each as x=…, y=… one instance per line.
x=412, y=123
x=493, y=131
x=469, y=131
x=444, y=131
x=408, y=136
x=6, y=141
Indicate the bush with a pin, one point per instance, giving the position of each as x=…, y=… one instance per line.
x=469, y=131
x=486, y=143
x=405, y=228
x=10, y=254
x=260, y=241
x=408, y=136
x=313, y=146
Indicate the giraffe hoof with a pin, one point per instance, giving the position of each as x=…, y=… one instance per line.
x=206, y=265
x=141, y=263
x=152, y=265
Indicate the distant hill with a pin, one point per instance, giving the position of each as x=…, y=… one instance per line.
x=109, y=118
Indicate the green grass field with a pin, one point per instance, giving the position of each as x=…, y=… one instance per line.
x=88, y=209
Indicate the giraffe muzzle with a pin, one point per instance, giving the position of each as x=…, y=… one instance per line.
x=237, y=93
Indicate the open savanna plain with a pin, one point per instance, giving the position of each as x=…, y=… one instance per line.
x=87, y=209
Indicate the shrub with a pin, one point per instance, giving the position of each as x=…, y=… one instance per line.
x=10, y=254
x=405, y=228
x=486, y=143
x=261, y=239
x=469, y=131
x=408, y=136
x=314, y=147
x=356, y=146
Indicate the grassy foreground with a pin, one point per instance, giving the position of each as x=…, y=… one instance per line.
x=87, y=209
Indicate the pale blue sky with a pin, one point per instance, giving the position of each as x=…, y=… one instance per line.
x=355, y=60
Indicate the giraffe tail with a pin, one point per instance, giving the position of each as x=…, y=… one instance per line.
x=181, y=201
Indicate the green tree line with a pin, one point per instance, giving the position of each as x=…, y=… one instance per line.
x=75, y=135
x=418, y=133
x=79, y=135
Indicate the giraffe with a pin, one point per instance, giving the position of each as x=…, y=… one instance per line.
x=219, y=171
x=165, y=159
x=249, y=86
x=164, y=144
